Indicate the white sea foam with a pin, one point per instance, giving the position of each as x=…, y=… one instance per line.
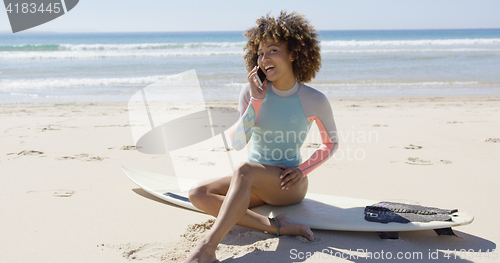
x=113, y=54
x=203, y=49
x=375, y=84
x=24, y=94
x=42, y=55
x=142, y=46
x=48, y=83
x=423, y=42
x=397, y=84
x=241, y=44
x=354, y=51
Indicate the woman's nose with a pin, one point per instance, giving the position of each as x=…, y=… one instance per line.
x=265, y=57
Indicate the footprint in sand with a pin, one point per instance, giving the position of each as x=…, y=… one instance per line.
x=63, y=193
x=50, y=128
x=418, y=161
x=56, y=193
x=188, y=158
x=221, y=149
x=413, y=147
x=493, y=140
x=83, y=157
x=26, y=152
x=128, y=148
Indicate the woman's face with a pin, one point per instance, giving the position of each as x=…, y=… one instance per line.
x=275, y=60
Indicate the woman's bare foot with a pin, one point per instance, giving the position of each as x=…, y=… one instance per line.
x=202, y=253
x=291, y=229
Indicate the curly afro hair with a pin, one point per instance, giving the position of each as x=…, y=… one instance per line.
x=300, y=37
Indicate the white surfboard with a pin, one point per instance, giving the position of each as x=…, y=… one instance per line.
x=318, y=211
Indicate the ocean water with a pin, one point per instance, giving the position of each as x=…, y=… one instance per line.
x=100, y=67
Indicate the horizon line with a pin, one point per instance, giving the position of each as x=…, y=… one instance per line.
x=240, y=31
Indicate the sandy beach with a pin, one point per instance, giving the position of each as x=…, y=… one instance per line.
x=64, y=197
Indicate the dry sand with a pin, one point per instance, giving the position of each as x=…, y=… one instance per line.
x=64, y=198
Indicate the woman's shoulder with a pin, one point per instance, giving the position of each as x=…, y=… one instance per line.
x=310, y=93
x=245, y=92
x=313, y=101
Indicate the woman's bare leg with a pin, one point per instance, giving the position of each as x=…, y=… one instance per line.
x=208, y=196
x=250, y=183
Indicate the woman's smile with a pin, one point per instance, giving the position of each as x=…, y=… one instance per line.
x=268, y=69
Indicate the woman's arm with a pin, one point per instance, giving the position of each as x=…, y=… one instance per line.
x=241, y=132
x=320, y=111
x=251, y=97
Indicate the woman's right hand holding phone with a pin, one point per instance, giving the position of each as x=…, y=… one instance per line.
x=256, y=91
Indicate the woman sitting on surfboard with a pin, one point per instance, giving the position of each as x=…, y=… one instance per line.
x=276, y=116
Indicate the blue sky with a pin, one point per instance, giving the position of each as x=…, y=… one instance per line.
x=224, y=15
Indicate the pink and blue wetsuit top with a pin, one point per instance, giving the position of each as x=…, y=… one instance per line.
x=279, y=123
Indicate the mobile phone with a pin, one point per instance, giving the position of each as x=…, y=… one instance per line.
x=261, y=76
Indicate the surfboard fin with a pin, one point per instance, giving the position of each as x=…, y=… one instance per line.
x=445, y=231
x=389, y=235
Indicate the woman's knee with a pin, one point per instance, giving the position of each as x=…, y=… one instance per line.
x=197, y=193
x=244, y=171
